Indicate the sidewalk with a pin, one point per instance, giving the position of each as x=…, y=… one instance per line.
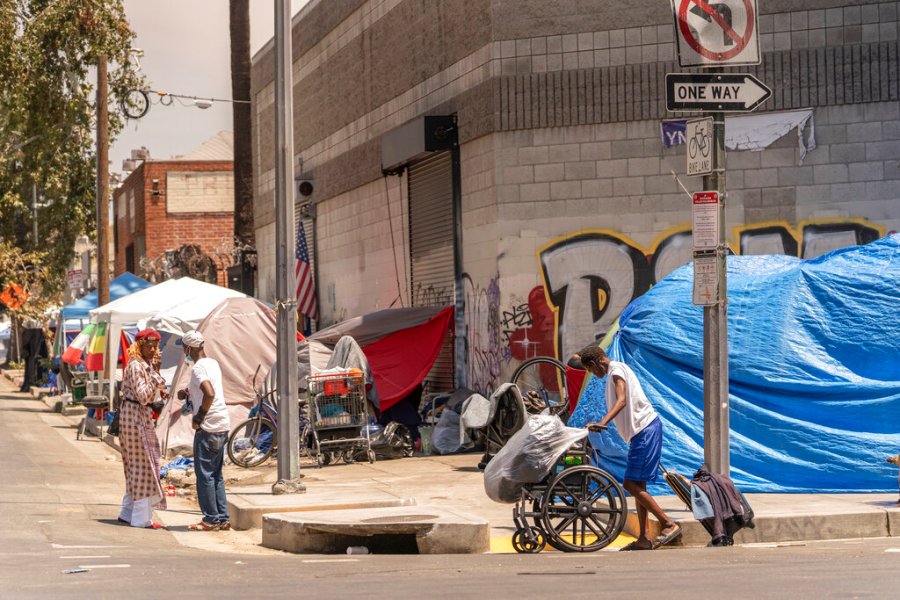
x=454, y=483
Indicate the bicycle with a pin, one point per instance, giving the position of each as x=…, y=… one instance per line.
x=542, y=383
x=254, y=440
x=699, y=142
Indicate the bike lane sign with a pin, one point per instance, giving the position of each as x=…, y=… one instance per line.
x=698, y=137
x=716, y=32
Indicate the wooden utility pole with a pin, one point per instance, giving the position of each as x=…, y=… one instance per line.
x=239, y=25
x=102, y=184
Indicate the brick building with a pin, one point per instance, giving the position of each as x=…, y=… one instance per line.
x=164, y=205
x=538, y=195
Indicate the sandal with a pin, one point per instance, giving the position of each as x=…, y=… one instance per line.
x=154, y=526
x=667, y=538
x=203, y=526
x=633, y=546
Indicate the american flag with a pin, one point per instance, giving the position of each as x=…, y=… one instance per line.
x=306, y=292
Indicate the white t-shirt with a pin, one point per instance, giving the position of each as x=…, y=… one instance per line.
x=638, y=412
x=207, y=369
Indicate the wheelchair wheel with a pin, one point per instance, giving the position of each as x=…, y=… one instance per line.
x=584, y=509
x=523, y=545
x=542, y=382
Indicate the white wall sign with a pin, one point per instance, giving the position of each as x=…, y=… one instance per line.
x=716, y=32
x=75, y=279
x=706, y=279
x=698, y=137
x=705, y=215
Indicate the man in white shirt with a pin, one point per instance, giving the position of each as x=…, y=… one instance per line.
x=640, y=426
x=211, y=426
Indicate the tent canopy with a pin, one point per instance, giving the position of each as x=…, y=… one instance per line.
x=186, y=299
x=121, y=286
x=401, y=345
x=814, y=370
x=240, y=334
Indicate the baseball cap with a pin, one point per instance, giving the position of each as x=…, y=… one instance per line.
x=193, y=339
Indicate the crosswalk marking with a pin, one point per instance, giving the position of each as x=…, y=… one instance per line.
x=80, y=546
x=84, y=557
x=892, y=550
x=103, y=566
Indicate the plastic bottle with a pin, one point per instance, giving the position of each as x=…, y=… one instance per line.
x=357, y=550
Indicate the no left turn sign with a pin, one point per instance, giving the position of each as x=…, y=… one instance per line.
x=716, y=32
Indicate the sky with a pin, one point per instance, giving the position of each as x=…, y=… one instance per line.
x=186, y=51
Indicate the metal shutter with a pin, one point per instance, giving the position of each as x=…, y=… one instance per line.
x=432, y=268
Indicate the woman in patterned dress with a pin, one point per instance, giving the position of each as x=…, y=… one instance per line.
x=137, y=437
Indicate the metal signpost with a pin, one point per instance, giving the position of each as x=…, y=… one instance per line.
x=285, y=302
x=713, y=33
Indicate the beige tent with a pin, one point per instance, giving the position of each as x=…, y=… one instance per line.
x=240, y=334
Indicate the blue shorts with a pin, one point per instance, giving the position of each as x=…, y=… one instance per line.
x=644, y=452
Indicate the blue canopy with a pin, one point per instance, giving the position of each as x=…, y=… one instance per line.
x=124, y=284
x=814, y=370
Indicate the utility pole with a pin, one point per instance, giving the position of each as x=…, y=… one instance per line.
x=102, y=184
x=716, y=426
x=285, y=286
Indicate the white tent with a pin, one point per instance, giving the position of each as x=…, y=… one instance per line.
x=186, y=300
x=240, y=334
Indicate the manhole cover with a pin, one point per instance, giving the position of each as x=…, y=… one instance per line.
x=400, y=519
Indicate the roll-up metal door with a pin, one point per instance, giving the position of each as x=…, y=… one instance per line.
x=431, y=251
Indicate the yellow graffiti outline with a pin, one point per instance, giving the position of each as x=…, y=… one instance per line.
x=796, y=231
x=614, y=234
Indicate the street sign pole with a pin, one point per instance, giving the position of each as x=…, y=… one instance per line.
x=285, y=302
x=716, y=447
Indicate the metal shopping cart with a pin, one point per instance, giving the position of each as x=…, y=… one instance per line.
x=338, y=415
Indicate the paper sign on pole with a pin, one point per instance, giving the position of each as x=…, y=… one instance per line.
x=706, y=279
x=705, y=227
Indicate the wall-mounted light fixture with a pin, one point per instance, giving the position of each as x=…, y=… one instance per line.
x=154, y=187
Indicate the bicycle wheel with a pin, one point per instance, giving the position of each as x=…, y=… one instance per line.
x=542, y=382
x=252, y=442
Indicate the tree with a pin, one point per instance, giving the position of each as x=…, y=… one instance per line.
x=47, y=49
x=239, y=25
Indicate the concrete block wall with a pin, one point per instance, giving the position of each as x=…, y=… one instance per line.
x=614, y=183
x=359, y=261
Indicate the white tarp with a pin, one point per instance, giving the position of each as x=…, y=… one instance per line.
x=759, y=131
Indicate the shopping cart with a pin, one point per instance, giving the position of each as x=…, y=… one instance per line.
x=338, y=415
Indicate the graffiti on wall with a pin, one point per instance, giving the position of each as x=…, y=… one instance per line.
x=591, y=276
x=485, y=352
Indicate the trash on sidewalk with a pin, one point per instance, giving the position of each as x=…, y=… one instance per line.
x=180, y=463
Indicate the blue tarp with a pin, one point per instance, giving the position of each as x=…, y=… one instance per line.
x=124, y=284
x=814, y=370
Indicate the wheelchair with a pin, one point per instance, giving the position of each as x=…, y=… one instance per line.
x=577, y=507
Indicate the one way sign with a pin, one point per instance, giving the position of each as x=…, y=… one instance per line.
x=723, y=92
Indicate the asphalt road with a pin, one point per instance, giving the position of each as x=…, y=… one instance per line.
x=59, y=500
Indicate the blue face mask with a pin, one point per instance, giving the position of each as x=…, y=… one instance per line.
x=188, y=358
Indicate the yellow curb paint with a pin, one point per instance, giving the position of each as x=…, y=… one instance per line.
x=503, y=544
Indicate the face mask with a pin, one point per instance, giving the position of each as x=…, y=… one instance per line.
x=188, y=358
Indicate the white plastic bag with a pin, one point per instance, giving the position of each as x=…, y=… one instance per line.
x=528, y=456
x=446, y=438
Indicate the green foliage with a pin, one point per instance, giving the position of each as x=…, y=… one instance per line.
x=28, y=270
x=48, y=50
